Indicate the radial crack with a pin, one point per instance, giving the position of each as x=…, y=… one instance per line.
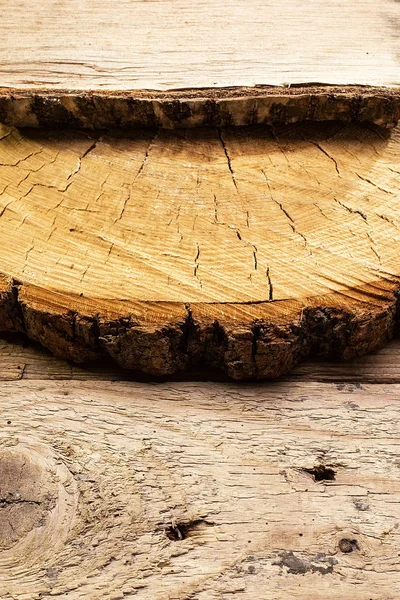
x=21, y=160
x=215, y=209
x=372, y=246
x=322, y=212
x=353, y=211
x=84, y=272
x=128, y=197
x=80, y=158
x=317, y=145
x=196, y=264
x=291, y=221
x=383, y=217
x=6, y=135
x=254, y=256
x=374, y=184
x=271, y=289
x=227, y=158
x=109, y=253
x=146, y=155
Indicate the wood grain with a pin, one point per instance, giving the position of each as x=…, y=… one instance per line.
x=132, y=62
x=244, y=249
x=162, y=45
x=188, y=490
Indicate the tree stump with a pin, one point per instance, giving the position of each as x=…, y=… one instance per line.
x=187, y=240
x=242, y=248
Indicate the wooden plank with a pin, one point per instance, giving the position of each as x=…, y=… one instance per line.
x=199, y=490
x=174, y=44
x=242, y=249
x=116, y=62
x=379, y=367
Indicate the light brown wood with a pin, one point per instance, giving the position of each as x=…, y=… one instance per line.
x=221, y=463
x=199, y=490
x=246, y=249
x=140, y=62
x=174, y=44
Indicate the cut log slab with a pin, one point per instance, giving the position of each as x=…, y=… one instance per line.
x=172, y=62
x=243, y=249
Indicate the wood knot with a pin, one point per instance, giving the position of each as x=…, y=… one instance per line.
x=31, y=483
x=347, y=546
x=25, y=496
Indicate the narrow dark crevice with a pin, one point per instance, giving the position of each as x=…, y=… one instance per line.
x=256, y=331
x=188, y=330
x=228, y=158
x=270, y=286
x=177, y=532
x=17, y=315
x=8, y=502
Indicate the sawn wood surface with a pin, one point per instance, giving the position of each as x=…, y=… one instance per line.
x=244, y=249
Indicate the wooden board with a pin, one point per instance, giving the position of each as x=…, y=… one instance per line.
x=242, y=249
x=173, y=44
x=140, y=62
x=196, y=490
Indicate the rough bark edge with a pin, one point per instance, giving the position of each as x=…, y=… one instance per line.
x=217, y=107
x=245, y=341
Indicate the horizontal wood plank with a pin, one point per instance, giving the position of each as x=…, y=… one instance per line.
x=22, y=359
x=162, y=45
x=173, y=63
x=199, y=490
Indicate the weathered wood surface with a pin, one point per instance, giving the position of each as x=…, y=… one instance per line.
x=101, y=63
x=196, y=490
x=244, y=249
x=173, y=44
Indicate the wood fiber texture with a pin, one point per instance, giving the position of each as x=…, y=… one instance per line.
x=174, y=44
x=175, y=63
x=197, y=490
x=244, y=249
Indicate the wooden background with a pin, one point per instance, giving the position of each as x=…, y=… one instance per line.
x=198, y=490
